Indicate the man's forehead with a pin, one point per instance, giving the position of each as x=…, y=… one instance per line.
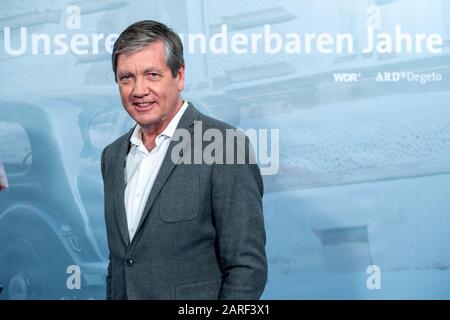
x=150, y=55
x=154, y=49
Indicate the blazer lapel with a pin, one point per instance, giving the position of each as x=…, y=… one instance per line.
x=186, y=122
x=121, y=214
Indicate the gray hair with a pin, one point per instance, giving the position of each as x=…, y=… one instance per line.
x=142, y=33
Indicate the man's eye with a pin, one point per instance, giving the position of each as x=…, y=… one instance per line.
x=152, y=75
x=125, y=77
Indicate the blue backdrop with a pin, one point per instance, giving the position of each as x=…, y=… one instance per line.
x=359, y=205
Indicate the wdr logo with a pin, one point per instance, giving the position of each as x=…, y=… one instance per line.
x=346, y=77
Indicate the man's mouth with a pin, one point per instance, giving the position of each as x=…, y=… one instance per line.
x=140, y=106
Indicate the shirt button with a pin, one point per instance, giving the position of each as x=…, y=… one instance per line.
x=138, y=195
x=129, y=262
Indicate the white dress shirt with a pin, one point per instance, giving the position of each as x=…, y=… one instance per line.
x=142, y=167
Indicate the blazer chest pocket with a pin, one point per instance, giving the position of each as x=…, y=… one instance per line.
x=180, y=198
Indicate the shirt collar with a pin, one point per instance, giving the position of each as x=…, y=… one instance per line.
x=136, y=137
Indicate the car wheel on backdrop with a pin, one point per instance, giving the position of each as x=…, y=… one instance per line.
x=22, y=275
x=33, y=259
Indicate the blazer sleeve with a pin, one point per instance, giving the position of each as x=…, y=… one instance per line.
x=108, y=280
x=108, y=275
x=237, y=191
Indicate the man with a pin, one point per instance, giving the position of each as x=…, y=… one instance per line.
x=175, y=230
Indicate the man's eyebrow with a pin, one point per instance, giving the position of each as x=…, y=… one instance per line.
x=124, y=73
x=152, y=69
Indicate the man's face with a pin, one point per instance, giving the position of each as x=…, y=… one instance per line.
x=149, y=92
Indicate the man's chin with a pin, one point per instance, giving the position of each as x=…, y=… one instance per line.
x=146, y=122
x=142, y=117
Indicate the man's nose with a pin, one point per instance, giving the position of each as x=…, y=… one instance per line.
x=140, y=89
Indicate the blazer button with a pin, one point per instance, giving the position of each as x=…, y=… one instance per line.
x=129, y=262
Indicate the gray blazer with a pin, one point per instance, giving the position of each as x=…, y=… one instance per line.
x=201, y=235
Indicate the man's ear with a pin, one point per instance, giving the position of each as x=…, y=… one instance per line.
x=180, y=76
